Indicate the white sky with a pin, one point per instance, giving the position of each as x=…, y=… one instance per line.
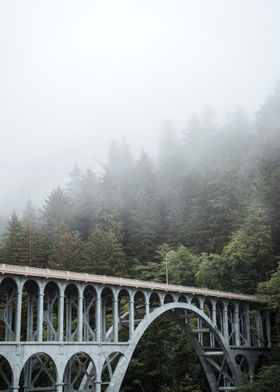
x=74, y=75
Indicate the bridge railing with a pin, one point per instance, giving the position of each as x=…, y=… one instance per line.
x=104, y=279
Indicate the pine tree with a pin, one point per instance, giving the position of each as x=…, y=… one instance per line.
x=56, y=219
x=12, y=250
x=144, y=219
x=103, y=254
x=32, y=254
x=66, y=252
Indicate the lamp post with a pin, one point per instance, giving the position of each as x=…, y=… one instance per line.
x=166, y=268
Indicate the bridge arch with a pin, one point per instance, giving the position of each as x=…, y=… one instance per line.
x=38, y=372
x=79, y=373
x=6, y=374
x=9, y=288
x=122, y=366
x=168, y=298
x=29, y=310
x=155, y=300
x=261, y=361
x=89, y=313
x=140, y=304
x=50, y=306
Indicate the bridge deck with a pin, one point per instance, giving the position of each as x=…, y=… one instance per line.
x=111, y=280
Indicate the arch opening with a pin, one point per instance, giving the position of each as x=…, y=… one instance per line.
x=89, y=314
x=6, y=375
x=71, y=313
x=107, y=298
x=219, y=316
x=230, y=321
x=182, y=298
x=139, y=306
x=169, y=344
x=123, y=312
x=154, y=301
x=261, y=361
x=50, y=304
x=243, y=325
x=39, y=373
x=8, y=298
x=217, y=366
x=29, y=312
x=168, y=298
x=79, y=374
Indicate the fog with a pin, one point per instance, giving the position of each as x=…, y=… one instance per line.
x=75, y=75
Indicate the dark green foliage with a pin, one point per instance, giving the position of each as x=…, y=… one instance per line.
x=267, y=381
x=66, y=251
x=213, y=272
x=103, y=254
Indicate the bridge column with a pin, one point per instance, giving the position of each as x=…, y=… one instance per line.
x=61, y=313
x=268, y=328
x=147, y=308
x=214, y=311
x=98, y=316
x=80, y=314
x=59, y=379
x=248, y=329
x=98, y=383
x=103, y=319
x=213, y=317
x=147, y=304
x=30, y=316
x=199, y=321
x=59, y=387
x=18, y=311
x=40, y=314
x=236, y=324
x=225, y=320
x=116, y=317
x=131, y=316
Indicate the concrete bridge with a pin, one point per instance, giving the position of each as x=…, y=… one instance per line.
x=67, y=331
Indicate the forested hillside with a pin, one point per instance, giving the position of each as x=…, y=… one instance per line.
x=209, y=205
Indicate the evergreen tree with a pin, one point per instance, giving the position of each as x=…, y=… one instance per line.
x=32, y=254
x=13, y=241
x=103, y=254
x=56, y=219
x=213, y=272
x=249, y=252
x=268, y=186
x=144, y=213
x=66, y=252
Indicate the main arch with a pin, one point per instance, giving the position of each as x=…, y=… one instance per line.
x=220, y=374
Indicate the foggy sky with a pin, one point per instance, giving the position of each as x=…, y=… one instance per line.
x=74, y=75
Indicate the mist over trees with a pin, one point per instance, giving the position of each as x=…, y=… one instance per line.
x=211, y=200
x=209, y=205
